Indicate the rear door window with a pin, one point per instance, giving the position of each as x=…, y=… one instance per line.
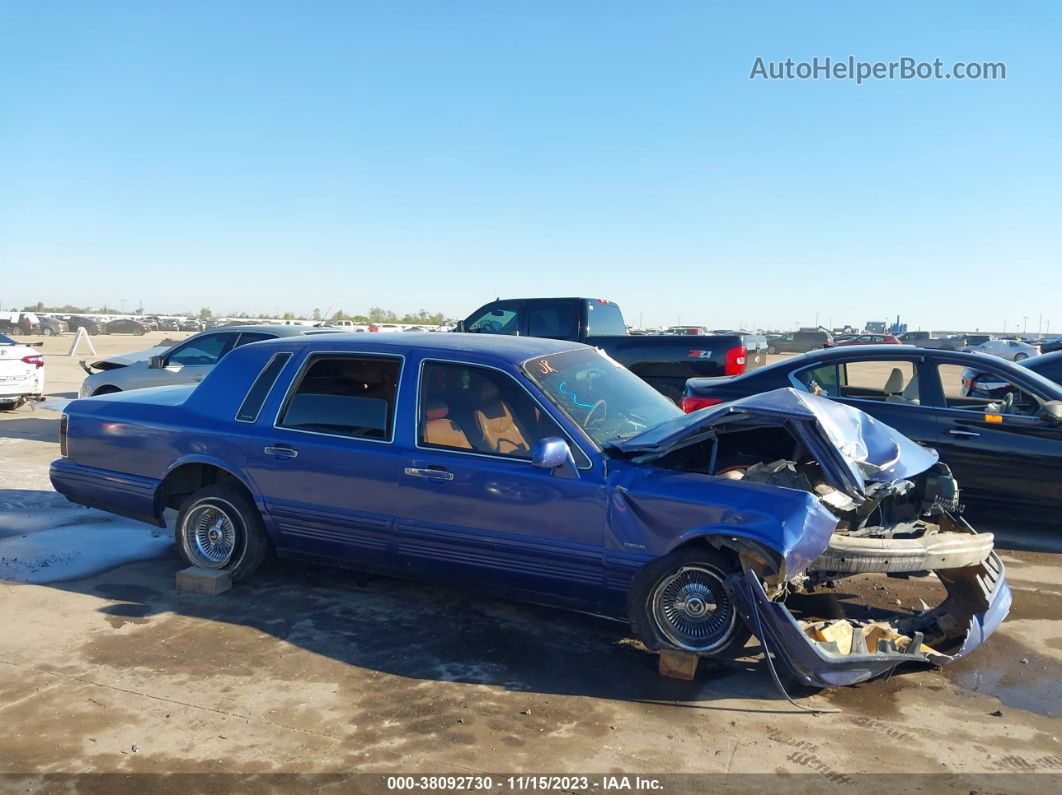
x=254, y=336
x=555, y=320
x=350, y=396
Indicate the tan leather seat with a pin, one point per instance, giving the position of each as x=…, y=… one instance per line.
x=439, y=430
x=497, y=425
x=894, y=386
x=909, y=393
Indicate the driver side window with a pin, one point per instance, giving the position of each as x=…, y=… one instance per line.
x=497, y=319
x=984, y=392
x=205, y=350
x=476, y=409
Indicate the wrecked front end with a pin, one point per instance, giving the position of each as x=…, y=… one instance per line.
x=829, y=653
x=896, y=513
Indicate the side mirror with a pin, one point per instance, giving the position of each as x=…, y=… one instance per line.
x=156, y=363
x=1052, y=411
x=460, y=327
x=553, y=453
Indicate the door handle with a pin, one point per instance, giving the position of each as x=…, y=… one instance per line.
x=963, y=434
x=429, y=474
x=281, y=452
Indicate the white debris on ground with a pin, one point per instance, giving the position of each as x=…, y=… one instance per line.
x=45, y=539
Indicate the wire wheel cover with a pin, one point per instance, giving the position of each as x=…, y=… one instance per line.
x=693, y=609
x=210, y=536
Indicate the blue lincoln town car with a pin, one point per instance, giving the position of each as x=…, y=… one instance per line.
x=545, y=471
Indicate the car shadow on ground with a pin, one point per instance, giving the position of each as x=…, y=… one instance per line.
x=417, y=631
x=22, y=424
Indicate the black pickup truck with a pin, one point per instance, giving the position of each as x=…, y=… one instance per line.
x=664, y=362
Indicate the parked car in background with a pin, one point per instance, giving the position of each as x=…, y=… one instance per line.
x=21, y=373
x=931, y=339
x=542, y=470
x=19, y=324
x=126, y=325
x=867, y=339
x=1012, y=350
x=52, y=326
x=185, y=363
x=1051, y=344
x=168, y=324
x=91, y=325
x=384, y=327
x=664, y=362
x=1005, y=452
x=190, y=324
x=799, y=342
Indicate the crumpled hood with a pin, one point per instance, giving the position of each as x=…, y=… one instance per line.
x=126, y=359
x=871, y=450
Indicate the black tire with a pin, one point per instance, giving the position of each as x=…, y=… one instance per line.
x=48, y=332
x=705, y=571
x=1020, y=357
x=250, y=544
x=771, y=349
x=106, y=390
x=10, y=405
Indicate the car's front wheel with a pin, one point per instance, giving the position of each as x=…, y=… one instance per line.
x=682, y=601
x=48, y=332
x=220, y=528
x=1020, y=357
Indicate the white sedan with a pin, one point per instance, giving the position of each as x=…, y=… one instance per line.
x=21, y=373
x=1013, y=350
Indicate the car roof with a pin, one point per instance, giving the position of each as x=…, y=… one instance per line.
x=277, y=329
x=502, y=346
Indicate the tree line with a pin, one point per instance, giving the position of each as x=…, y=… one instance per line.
x=375, y=314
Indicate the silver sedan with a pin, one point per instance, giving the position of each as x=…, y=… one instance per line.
x=1012, y=350
x=187, y=362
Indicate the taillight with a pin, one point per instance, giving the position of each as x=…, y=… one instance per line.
x=35, y=359
x=64, y=425
x=735, y=360
x=693, y=403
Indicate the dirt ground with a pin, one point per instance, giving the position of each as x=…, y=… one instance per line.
x=318, y=671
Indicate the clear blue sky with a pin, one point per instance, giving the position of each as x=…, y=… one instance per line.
x=247, y=156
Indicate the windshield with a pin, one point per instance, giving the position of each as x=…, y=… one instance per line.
x=600, y=395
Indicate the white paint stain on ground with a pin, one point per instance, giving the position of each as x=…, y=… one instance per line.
x=45, y=539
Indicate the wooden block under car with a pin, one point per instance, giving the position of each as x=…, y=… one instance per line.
x=204, y=581
x=678, y=664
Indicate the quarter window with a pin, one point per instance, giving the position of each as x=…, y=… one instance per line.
x=252, y=404
x=345, y=396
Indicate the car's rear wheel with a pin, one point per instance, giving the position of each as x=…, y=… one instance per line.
x=106, y=390
x=10, y=405
x=771, y=349
x=219, y=528
x=48, y=332
x=682, y=601
x=1020, y=357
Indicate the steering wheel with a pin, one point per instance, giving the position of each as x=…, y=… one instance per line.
x=592, y=420
x=1007, y=404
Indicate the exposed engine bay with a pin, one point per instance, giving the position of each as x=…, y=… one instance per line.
x=904, y=528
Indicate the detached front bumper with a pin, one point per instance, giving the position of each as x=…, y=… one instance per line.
x=978, y=600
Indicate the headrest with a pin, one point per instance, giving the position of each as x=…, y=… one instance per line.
x=436, y=410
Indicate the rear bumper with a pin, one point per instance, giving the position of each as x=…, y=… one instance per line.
x=978, y=600
x=114, y=492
